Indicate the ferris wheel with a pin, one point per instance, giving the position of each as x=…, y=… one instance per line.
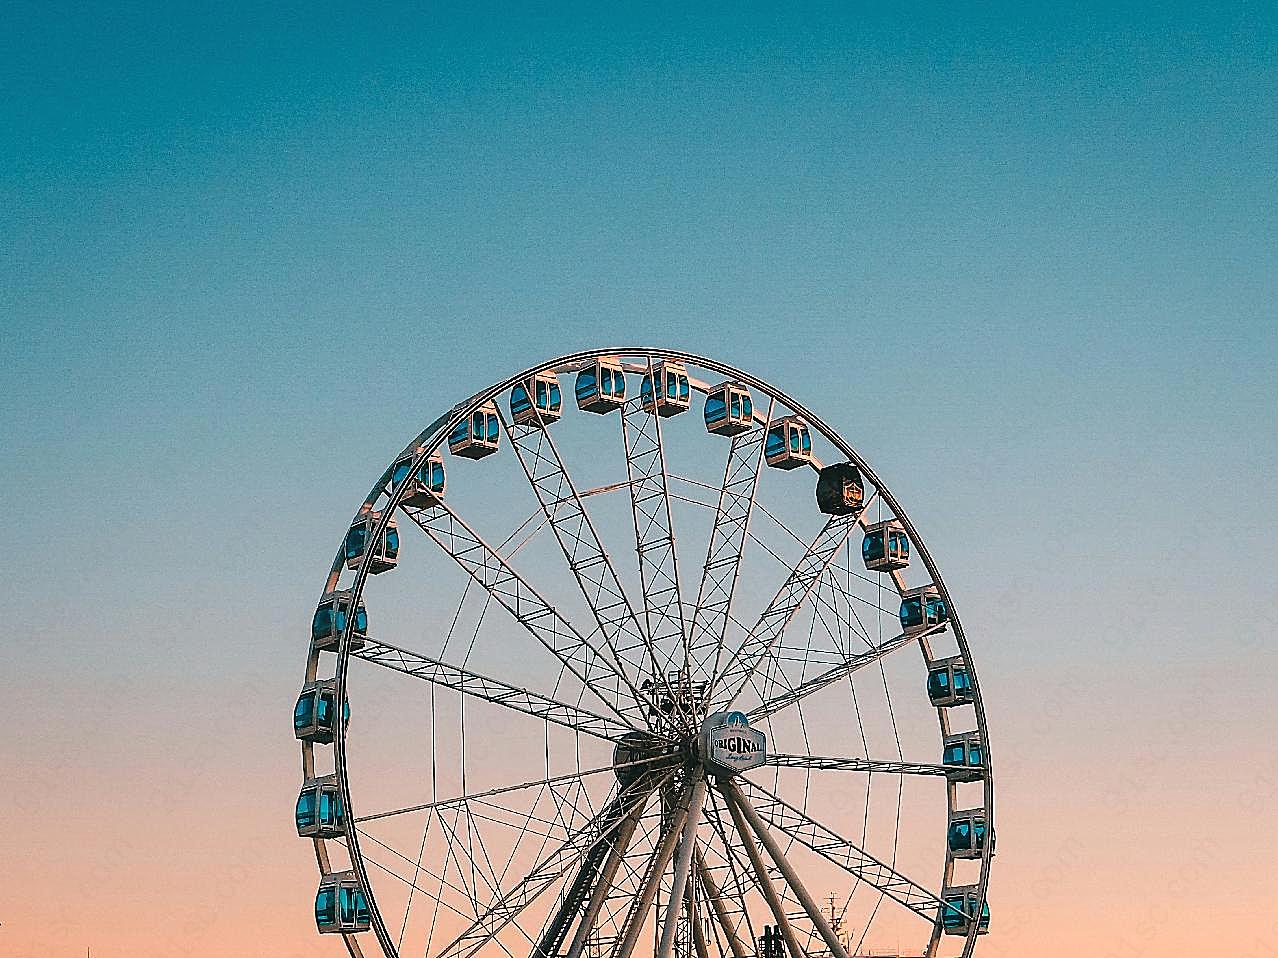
x=612, y=680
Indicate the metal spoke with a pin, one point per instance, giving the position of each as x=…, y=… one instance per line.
x=492, y=690
x=851, y=664
x=736, y=800
x=421, y=869
x=824, y=763
x=579, y=541
x=727, y=544
x=481, y=796
x=654, y=539
x=833, y=847
x=736, y=873
x=604, y=884
x=683, y=863
x=694, y=919
x=763, y=879
x=660, y=860
x=584, y=883
x=602, y=676
x=716, y=900
x=767, y=631
x=543, y=875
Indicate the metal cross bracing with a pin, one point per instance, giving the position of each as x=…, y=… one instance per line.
x=467, y=682
x=600, y=931
x=655, y=544
x=839, y=605
x=833, y=847
x=597, y=672
x=852, y=764
x=742, y=811
x=854, y=662
x=771, y=624
x=727, y=545
x=728, y=893
x=589, y=562
x=599, y=831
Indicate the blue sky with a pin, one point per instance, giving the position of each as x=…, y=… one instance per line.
x=245, y=253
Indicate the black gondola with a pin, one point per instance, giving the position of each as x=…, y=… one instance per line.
x=839, y=490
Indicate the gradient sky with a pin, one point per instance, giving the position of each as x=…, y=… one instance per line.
x=246, y=253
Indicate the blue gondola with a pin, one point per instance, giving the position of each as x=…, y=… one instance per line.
x=949, y=683
x=966, y=835
x=729, y=410
x=673, y=391
x=536, y=402
x=341, y=907
x=789, y=443
x=963, y=757
x=478, y=435
x=331, y=619
x=885, y=547
x=385, y=553
x=319, y=809
x=313, y=714
x=424, y=487
x=961, y=902
x=601, y=386
x=922, y=608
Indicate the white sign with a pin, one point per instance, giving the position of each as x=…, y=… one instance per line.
x=730, y=744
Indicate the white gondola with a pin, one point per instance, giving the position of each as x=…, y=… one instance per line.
x=729, y=410
x=331, y=618
x=385, y=550
x=314, y=713
x=967, y=833
x=601, y=386
x=341, y=905
x=789, y=443
x=885, y=547
x=922, y=608
x=477, y=435
x=949, y=683
x=963, y=757
x=673, y=393
x=319, y=809
x=425, y=487
x=537, y=401
x=961, y=902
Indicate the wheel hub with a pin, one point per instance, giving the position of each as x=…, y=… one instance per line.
x=728, y=745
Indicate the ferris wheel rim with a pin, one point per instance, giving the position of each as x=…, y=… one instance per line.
x=432, y=438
